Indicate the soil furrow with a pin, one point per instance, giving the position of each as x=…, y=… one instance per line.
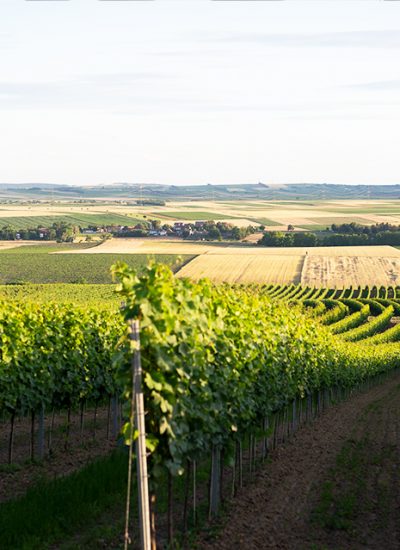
x=350, y=457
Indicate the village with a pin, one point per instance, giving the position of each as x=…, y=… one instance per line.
x=67, y=232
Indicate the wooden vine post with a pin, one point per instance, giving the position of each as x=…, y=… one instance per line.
x=141, y=457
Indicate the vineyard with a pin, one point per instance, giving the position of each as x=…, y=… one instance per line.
x=227, y=368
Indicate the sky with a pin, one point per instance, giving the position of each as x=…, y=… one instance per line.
x=194, y=92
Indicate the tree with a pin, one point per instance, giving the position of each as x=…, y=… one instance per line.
x=305, y=239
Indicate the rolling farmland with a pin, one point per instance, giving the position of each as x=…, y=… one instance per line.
x=339, y=266
x=273, y=214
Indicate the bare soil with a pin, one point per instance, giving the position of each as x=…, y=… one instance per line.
x=334, y=486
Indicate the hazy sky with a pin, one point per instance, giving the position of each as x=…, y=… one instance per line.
x=199, y=92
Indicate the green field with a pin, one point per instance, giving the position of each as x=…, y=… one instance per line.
x=266, y=221
x=30, y=222
x=199, y=216
x=36, y=266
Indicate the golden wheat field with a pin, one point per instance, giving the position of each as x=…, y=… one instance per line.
x=320, y=266
x=345, y=271
x=245, y=268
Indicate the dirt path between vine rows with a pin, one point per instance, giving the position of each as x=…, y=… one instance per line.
x=334, y=486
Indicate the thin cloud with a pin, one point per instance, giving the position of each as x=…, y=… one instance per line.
x=381, y=86
x=79, y=91
x=356, y=39
x=123, y=78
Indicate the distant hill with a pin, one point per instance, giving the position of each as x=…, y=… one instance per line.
x=292, y=191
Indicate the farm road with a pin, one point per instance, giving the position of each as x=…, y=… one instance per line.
x=335, y=486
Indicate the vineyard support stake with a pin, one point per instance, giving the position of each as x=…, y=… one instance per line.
x=114, y=407
x=215, y=481
x=41, y=435
x=141, y=458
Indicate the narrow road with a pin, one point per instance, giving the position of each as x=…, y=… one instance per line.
x=334, y=486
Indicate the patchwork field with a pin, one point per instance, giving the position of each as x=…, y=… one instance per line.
x=273, y=214
x=240, y=262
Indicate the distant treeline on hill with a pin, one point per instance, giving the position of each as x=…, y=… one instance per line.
x=347, y=234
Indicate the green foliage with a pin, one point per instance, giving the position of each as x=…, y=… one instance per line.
x=55, y=355
x=376, y=306
x=372, y=327
x=217, y=360
x=77, y=293
x=351, y=321
x=317, y=307
x=390, y=335
x=337, y=312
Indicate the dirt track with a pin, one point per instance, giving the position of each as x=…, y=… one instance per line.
x=334, y=486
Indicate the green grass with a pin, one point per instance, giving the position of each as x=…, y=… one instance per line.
x=29, y=222
x=338, y=506
x=85, y=509
x=31, y=267
x=53, y=509
x=264, y=221
x=200, y=216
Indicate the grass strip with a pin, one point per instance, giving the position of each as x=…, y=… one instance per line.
x=53, y=509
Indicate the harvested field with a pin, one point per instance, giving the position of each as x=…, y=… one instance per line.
x=148, y=246
x=367, y=251
x=163, y=246
x=320, y=266
x=345, y=271
x=384, y=251
x=245, y=268
x=5, y=245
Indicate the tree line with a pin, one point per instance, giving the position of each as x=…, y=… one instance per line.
x=349, y=234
